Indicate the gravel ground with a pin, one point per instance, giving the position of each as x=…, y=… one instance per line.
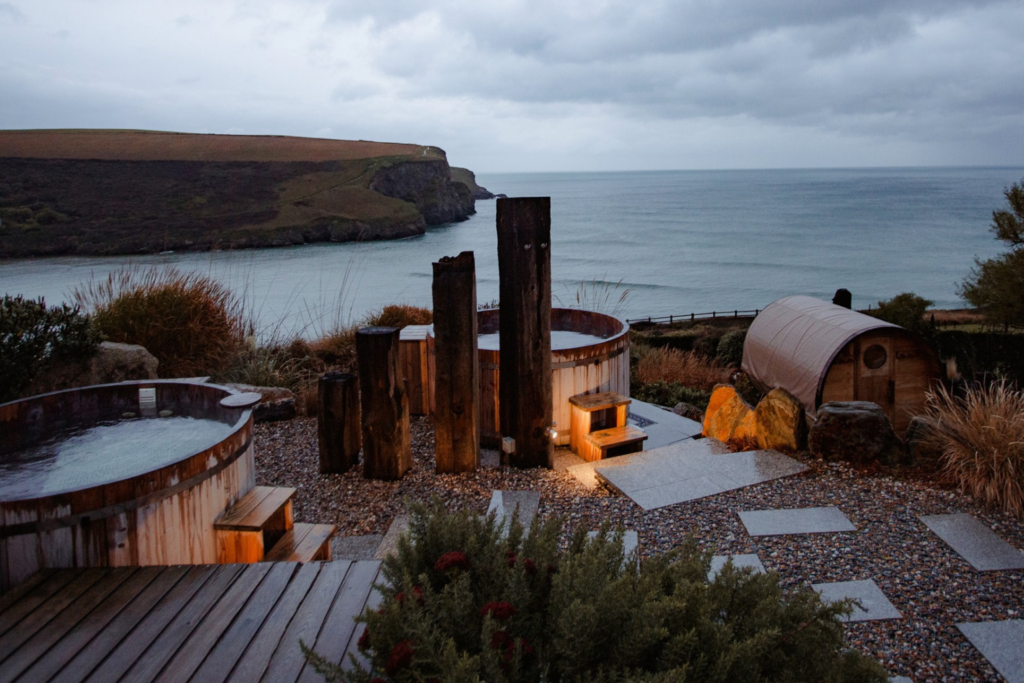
x=930, y=584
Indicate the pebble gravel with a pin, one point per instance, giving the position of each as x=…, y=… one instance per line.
x=928, y=582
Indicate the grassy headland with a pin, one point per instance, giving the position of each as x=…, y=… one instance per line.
x=125, y=192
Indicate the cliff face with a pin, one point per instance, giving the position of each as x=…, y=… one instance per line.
x=94, y=204
x=427, y=184
x=468, y=178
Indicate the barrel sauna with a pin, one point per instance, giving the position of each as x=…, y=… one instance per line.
x=592, y=366
x=155, y=506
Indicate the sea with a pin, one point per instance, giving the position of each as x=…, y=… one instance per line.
x=634, y=244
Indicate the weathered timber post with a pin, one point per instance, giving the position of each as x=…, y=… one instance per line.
x=337, y=422
x=524, y=319
x=387, y=449
x=456, y=368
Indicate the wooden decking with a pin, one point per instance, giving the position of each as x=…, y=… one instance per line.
x=183, y=623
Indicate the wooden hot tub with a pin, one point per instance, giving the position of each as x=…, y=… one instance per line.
x=589, y=354
x=111, y=475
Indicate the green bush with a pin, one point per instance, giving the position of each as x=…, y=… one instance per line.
x=33, y=336
x=669, y=394
x=190, y=322
x=730, y=347
x=906, y=310
x=465, y=601
x=984, y=356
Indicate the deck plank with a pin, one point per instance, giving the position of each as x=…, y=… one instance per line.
x=257, y=656
x=93, y=623
x=288, y=660
x=149, y=666
x=90, y=656
x=227, y=652
x=17, y=592
x=37, y=618
x=207, y=632
x=373, y=601
x=139, y=639
x=340, y=624
x=26, y=597
x=36, y=646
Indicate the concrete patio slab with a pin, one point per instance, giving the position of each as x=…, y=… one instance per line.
x=356, y=547
x=739, y=561
x=389, y=544
x=795, y=521
x=630, y=541
x=662, y=426
x=875, y=606
x=523, y=504
x=1002, y=644
x=689, y=470
x=974, y=542
x=901, y=679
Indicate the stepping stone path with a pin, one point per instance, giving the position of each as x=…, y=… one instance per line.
x=738, y=561
x=1002, y=643
x=975, y=542
x=689, y=470
x=523, y=504
x=630, y=541
x=795, y=521
x=875, y=606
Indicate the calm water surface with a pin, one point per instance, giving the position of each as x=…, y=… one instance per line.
x=679, y=241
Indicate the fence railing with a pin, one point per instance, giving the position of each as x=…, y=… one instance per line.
x=669, y=319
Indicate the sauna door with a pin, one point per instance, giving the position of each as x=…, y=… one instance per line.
x=875, y=379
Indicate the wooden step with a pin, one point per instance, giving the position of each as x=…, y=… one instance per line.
x=602, y=401
x=253, y=524
x=303, y=543
x=618, y=441
x=590, y=413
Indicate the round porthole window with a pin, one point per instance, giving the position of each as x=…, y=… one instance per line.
x=875, y=356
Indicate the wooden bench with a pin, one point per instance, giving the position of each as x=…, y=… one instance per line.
x=303, y=543
x=256, y=522
x=594, y=412
x=609, y=443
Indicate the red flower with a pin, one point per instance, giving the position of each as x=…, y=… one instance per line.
x=499, y=639
x=529, y=566
x=364, y=640
x=452, y=560
x=418, y=593
x=500, y=610
x=510, y=555
x=524, y=648
x=400, y=657
x=400, y=597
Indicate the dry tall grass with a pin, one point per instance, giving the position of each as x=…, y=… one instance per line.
x=672, y=365
x=190, y=322
x=399, y=315
x=981, y=440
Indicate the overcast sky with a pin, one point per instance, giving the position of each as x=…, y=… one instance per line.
x=540, y=85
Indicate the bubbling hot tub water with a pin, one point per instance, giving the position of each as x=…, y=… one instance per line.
x=560, y=340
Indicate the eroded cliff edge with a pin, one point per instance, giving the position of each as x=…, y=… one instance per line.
x=129, y=192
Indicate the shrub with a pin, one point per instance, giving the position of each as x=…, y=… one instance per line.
x=906, y=310
x=980, y=437
x=191, y=323
x=670, y=394
x=464, y=599
x=685, y=367
x=730, y=348
x=399, y=315
x=33, y=336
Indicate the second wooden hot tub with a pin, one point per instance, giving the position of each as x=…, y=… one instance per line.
x=589, y=354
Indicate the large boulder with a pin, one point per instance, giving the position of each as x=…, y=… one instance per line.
x=277, y=403
x=111, y=363
x=730, y=419
x=689, y=411
x=855, y=431
x=921, y=442
x=780, y=422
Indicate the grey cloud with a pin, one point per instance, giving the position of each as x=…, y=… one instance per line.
x=10, y=12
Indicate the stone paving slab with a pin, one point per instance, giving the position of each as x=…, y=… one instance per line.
x=690, y=470
x=663, y=427
x=901, y=679
x=1002, y=644
x=795, y=521
x=524, y=504
x=630, y=540
x=356, y=547
x=399, y=525
x=876, y=606
x=974, y=542
x=739, y=561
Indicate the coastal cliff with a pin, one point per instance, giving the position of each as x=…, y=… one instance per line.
x=130, y=192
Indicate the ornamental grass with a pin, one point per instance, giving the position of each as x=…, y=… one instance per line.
x=670, y=365
x=980, y=440
x=466, y=598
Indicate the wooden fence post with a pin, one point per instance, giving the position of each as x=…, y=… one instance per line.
x=524, y=273
x=338, y=425
x=387, y=449
x=456, y=367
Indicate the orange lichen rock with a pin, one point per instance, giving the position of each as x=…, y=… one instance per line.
x=730, y=419
x=780, y=422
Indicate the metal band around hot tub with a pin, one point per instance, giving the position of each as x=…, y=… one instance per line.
x=127, y=506
x=571, y=363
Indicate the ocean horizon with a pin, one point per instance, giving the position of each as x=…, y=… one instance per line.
x=678, y=241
